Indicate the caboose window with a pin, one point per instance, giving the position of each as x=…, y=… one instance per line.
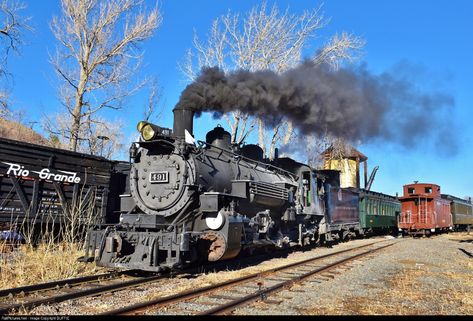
x=428, y=190
x=411, y=190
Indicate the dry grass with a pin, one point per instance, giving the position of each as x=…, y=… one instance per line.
x=459, y=236
x=14, y=130
x=410, y=293
x=28, y=265
x=407, y=294
x=48, y=254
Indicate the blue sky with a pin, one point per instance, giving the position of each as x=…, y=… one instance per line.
x=435, y=36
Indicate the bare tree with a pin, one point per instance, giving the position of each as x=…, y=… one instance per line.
x=97, y=136
x=341, y=48
x=265, y=39
x=97, y=55
x=12, y=28
x=152, y=111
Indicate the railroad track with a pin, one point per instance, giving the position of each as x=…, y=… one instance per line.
x=28, y=297
x=224, y=297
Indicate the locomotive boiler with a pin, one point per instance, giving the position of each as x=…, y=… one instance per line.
x=186, y=203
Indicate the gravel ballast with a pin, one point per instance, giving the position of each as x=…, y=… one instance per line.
x=414, y=276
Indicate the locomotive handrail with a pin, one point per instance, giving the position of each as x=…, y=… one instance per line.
x=160, y=140
x=250, y=160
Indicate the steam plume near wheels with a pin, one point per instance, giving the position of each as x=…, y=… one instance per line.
x=352, y=102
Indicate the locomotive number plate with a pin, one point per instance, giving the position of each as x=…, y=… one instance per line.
x=159, y=177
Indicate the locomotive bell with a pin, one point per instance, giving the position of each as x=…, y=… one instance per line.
x=219, y=137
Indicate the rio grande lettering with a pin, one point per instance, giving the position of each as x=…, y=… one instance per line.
x=18, y=170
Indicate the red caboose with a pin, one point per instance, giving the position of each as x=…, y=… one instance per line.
x=423, y=211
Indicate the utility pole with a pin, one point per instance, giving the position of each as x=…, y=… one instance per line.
x=102, y=138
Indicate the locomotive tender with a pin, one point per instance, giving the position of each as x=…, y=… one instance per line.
x=188, y=203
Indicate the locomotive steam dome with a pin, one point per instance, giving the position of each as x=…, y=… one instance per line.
x=159, y=182
x=219, y=137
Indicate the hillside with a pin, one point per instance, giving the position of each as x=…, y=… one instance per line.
x=13, y=130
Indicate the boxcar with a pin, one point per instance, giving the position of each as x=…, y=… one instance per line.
x=379, y=212
x=423, y=210
x=40, y=185
x=462, y=212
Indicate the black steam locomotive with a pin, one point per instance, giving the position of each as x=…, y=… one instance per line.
x=186, y=203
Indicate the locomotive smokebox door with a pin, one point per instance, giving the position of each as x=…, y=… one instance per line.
x=158, y=183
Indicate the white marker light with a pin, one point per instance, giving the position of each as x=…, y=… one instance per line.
x=214, y=223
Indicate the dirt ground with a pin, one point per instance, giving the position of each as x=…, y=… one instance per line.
x=415, y=276
x=421, y=276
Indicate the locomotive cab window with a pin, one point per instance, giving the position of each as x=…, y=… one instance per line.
x=306, y=182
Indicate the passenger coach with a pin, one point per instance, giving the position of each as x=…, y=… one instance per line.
x=462, y=212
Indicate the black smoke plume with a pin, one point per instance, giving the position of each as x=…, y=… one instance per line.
x=351, y=102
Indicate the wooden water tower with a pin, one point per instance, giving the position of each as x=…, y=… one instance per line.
x=347, y=160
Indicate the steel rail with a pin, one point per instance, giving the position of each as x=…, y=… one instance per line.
x=79, y=294
x=283, y=285
x=186, y=295
x=32, y=289
x=29, y=289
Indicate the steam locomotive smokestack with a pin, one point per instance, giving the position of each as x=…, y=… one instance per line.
x=183, y=119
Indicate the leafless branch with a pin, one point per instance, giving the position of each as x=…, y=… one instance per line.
x=264, y=38
x=345, y=47
x=97, y=55
x=155, y=95
x=12, y=28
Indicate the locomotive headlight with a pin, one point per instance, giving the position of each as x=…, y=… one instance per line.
x=147, y=132
x=150, y=131
x=140, y=125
